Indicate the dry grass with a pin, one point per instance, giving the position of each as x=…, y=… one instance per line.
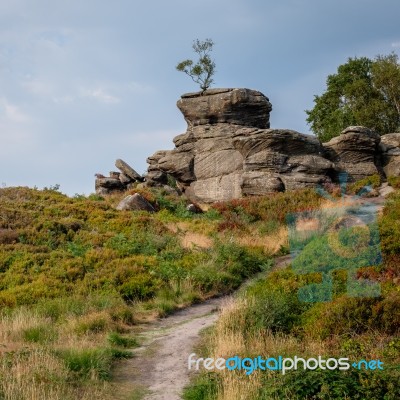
x=270, y=243
x=229, y=339
x=190, y=235
x=32, y=370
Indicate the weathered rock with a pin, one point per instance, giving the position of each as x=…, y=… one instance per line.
x=115, y=174
x=256, y=183
x=125, y=180
x=228, y=151
x=135, y=202
x=128, y=170
x=276, y=159
x=385, y=190
x=355, y=151
x=179, y=164
x=235, y=106
x=391, y=140
x=219, y=188
x=154, y=176
x=217, y=163
x=109, y=183
x=390, y=149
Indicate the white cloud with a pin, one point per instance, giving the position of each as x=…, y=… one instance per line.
x=139, y=87
x=100, y=95
x=12, y=112
x=18, y=134
x=38, y=87
x=396, y=44
x=63, y=99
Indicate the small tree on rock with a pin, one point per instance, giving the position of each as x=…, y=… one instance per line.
x=203, y=71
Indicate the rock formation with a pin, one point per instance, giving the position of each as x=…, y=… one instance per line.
x=228, y=150
x=117, y=181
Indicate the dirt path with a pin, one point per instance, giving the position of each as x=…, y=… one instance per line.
x=158, y=370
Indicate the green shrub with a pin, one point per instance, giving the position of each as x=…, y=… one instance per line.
x=394, y=181
x=273, y=307
x=89, y=364
x=372, y=181
x=117, y=339
x=40, y=334
x=334, y=385
x=203, y=387
x=91, y=324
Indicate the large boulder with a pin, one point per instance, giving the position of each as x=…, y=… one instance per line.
x=355, y=151
x=135, y=202
x=234, y=106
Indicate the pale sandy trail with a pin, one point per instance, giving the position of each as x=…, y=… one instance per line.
x=159, y=366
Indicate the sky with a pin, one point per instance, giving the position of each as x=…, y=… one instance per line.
x=84, y=82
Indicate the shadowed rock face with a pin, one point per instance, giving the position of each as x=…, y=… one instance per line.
x=390, y=149
x=228, y=150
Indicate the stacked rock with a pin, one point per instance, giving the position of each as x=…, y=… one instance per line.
x=117, y=181
x=229, y=151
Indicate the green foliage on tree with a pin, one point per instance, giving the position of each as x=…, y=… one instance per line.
x=362, y=92
x=203, y=70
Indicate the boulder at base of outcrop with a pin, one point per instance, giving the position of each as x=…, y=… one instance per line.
x=135, y=202
x=355, y=151
x=390, y=149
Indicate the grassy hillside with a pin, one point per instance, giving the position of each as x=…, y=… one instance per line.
x=76, y=276
x=269, y=320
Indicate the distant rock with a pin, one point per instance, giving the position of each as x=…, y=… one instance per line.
x=154, y=176
x=109, y=184
x=115, y=174
x=135, y=202
x=117, y=181
x=128, y=170
x=125, y=180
